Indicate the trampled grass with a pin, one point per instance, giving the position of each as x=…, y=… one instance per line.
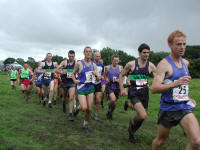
x=30, y=126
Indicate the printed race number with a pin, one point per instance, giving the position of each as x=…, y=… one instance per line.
x=181, y=93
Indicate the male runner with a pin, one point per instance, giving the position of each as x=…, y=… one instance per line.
x=172, y=80
x=38, y=81
x=103, y=86
x=48, y=80
x=13, y=77
x=23, y=79
x=87, y=72
x=97, y=84
x=138, y=71
x=67, y=83
x=112, y=73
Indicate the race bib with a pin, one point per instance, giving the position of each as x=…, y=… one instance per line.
x=12, y=74
x=115, y=79
x=89, y=77
x=99, y=71
x=181, y=93
x=69, y=75
x=47, y=75
x=23, y=76
x=141, y=82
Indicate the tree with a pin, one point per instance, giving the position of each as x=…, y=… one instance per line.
x=20, y=61
x=124, y=57
x=57, y=59
x=156, y=57
x=8, y=61
x=107, y=53
x=192, y=52
x=194, y=67
x=31, y=62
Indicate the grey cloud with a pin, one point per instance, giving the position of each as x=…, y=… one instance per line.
x=39, y=26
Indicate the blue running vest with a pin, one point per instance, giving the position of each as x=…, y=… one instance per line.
x=86, y=79
x=175, y=99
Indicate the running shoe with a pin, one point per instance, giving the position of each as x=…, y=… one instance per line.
x=76, y=112
x=54, y=102
x=95, y=117
x=126, y=105
x=70, y=118
x=87, y=128
x=49, y=105
x=132, y=139
x=64, y=108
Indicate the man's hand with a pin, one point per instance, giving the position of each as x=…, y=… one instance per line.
x=185, y=80
x=77, y=81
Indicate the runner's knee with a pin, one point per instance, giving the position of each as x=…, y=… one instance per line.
x=51, y=91
x=143, y=116
x=83, y=108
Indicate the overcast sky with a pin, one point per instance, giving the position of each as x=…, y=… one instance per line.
x=35, y=27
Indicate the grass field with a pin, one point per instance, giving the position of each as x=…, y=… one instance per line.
x=30, y=126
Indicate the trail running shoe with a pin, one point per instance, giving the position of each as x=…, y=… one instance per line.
x=64, y=108
x=87, y=128
x=109, y=116
x=126, y=105
x=132, y=139
x=54, y=102
x=95, y=117
x=76, y=112
x=49, y=105
x=70, y=118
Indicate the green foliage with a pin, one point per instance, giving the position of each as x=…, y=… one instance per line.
x=20, y=61
x=57, y=59
x=194, y=67
x=30, y=126
x=192, y=52
x=31, y=61
x=9, y=61
x=156, y=57
x=106, y=55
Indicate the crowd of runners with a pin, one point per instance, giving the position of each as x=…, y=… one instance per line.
x=89, y=80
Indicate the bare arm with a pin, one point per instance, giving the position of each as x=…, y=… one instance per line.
x=152, y=69
x=34, y=74
x=62, y=64
x=106, y=74
x=121, y=78
x=75, y=71
x=18, y=79
x=95, y=72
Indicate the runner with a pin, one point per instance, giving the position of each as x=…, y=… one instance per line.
x=67, y=83
x=38, y=82
x=172, y=80
x=23, y=79
x=112, y=73
x=31, y=79
x=138, y=71
x=56, y=87
x=13, y=77
x=48, y=80
x=98, y=88
x=103, y=86
x=87, y=71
